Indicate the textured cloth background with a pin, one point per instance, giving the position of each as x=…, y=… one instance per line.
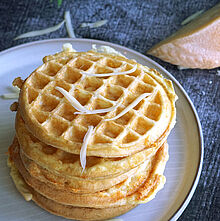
x=137, y=25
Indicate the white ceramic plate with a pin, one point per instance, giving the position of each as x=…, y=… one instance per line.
x=185, y=141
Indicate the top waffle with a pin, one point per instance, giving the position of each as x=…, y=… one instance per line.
x=50, y=117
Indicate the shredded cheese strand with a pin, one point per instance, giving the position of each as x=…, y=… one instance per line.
x=130, y=106
x=192, y=17
x=68, y=47
x=106, y=50
x=95, y=24
x=84, y=147
x=82, y=109
x=14, y=95
x=72, y=100
x=110, y=74
x=40, y=32
x=10, y=96
x=100, y=111
x=15, y=89
x=69, y=26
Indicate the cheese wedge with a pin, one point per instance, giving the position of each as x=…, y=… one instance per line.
x=195, y=45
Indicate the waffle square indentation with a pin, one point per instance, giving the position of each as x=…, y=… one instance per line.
x=141, y=126
x=39, y=116
x=32, y=95
x=149, y=80
x=102, y=70
x=123, y=80
x=82, y=96
x=111, y=129
x=112, y=92
x=99, y=139
x=142, y=88
x=113, y=63
x=153, y=112
x=67, y=111
x=76, y=134
x=39, y=81
x=47, y=103
x=82, y=64
x=51, y=68
x=61, y=84
x=71, y=75
x=56, y=126
x=129, y=138
x=128, y=67
x=125, y=119
x=92, y=83
x=101, y=104
x=157, y=99
x=89, y=120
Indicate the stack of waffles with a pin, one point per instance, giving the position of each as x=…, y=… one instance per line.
x=91, y=147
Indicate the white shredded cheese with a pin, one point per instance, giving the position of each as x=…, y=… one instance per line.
x=84, y=147
x=100, y=111
x=69, y=26
x=106, y=50
x=82, y=109
x=40, y=32
x=72, y=100
x=191, y=17
x=94, y=25
x=14, y=95
x=130, y=106
x=110, y=74
x=10, y=96
x=68, y=47
x=15, y=89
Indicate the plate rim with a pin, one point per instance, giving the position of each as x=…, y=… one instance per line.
x=192, y=189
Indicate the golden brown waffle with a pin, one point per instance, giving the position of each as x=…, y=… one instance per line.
x=125, y=156
x=79, y=213
x=139, y=188
x=71, y=212
x=73, y=184
x=50, y=117
x=67, y=164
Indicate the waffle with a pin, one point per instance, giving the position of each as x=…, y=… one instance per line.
x=125, y=156
x=51, y=119
x=139, y=188
x=79, y=213
x=73, y=184
x=54, y=159
x=71, y=212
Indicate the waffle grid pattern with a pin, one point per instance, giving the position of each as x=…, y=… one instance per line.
x=53, y=112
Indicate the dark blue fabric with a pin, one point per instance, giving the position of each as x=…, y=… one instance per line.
x=137, y=25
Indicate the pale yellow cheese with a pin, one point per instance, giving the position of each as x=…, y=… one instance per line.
x=195, y=45
x=19, y=182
